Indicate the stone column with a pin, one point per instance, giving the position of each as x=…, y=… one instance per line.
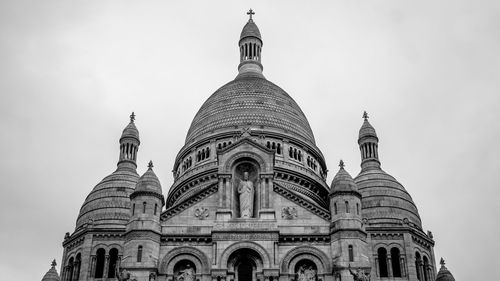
x=75, y=270
x=389, y=266
x=228, y=192
x=221, y=191
x=92, y=266
x=106, y=267
x=402, y=266
x=262, y=192
x=269, y=191
x=377, y=267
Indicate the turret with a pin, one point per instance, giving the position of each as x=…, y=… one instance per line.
x=51, y=275
x=142, y=238
x=129, y=145
x=250, y=45
x=444, y=274
x=368, y=145
x=348, y=237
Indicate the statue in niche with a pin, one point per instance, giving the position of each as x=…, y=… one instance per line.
x=187, y=274
x=359, y=275
x=246, y=194
x=306, y=273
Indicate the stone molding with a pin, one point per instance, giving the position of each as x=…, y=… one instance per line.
x=307, y=252
x=232, y=236
x=174, y=210
x=185, y=252
x=245, y=245
x=317, y=210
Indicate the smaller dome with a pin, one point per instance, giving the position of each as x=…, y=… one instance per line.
x=444, y=274
x=149, y=182
x=250, y=30
x=343, y=182
x=367, y=129
x=131, y=130
x=52, y=274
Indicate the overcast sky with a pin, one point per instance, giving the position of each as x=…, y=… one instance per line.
x=427, y=72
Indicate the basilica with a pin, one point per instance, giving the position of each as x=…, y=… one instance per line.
x=249, y=202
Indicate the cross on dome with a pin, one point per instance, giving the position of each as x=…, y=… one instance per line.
x=132, y=117
x=150, y=164
x=250, y=13
x=442, y=262
x=365, y=115
x=54, y=263
x=341, y=164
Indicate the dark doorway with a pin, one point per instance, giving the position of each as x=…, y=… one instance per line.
x=245, y=271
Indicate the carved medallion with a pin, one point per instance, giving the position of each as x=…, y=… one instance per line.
x=288, y=213
x=201, y=213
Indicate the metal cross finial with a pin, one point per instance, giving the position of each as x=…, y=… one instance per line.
x=132, y=117
x=250, y=13
x=150, y=165
x=341, y=164
x=442, y=262
x=54, y=263
x=365, y=115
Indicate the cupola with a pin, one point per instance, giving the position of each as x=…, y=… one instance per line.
x=250, y=49
x=444, y=274
x=368, y=145
x=52, y=274
x=129, y=144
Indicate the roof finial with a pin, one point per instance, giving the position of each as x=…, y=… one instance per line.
x=54, y=263
x=150, y=164
x=132, y=117
x=442, y=262
x=365, y=116
x=341, y=164
x=250, y=13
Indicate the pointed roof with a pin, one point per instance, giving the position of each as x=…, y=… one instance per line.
x=343, y=182
x=131, y=130
x=149, y=182
x=367, y=129
x=250, y=29
x=52, y=274
x=444, y=274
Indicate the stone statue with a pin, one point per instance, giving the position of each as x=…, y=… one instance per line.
x=124, y=275
x=246, y=194
x=306, y=273
x=359, y=275
x=187, y=274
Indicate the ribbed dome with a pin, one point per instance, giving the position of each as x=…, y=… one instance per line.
x=444, y=274
x=343, y=182
x=250, y=30
x=384, y=199
x=130, y=131
x=108, y=204
x=52, y=274
x=367, y=130
x=250, y=101
x=149, y=182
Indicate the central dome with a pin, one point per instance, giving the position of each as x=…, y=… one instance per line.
x=250, y=101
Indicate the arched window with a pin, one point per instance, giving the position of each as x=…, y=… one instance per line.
x=70, y=269
x=300, y=156
x=113, y=259
x=278, y=149
x=426, y=269
x=78, y=265
x=139, y=254
x=133, y=209
x=143, y=207
x=290, y=152
x=382, y=262
x=208, y=152
x=357, y=208
x=156, y=208
x=335, y=207
x=396, y=267
x=346, y=207
x=418, y=264
x=99, y=265
x=268, y=144
x=351, y=253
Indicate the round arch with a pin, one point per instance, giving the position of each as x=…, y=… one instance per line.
x=306, y=252
x=245, y=245
x=194, y=255
x=240, y=155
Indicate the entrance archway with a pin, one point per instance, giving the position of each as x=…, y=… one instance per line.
x=245, y=265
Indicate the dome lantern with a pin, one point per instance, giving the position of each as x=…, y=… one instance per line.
x=250, y=45
x=129, y=144
x=444, y=274
x=52, y=274
x=368, y=145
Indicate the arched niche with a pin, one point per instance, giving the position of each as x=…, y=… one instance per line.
x=258, y=254
x=296, y=256
x=179, y=258
x=241, y=167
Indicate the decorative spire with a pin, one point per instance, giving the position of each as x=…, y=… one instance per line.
x=132, y=117
x=150, y=164
x=341, y=164
x=365, y=116
x=442, y=262
x=54, y=263
x=250, y=13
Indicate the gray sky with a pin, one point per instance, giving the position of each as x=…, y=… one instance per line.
x=428, y=73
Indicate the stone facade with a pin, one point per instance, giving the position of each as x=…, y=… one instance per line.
x=249, y=201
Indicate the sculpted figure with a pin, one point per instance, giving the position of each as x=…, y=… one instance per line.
x=301, y=273
x=123, y=275
x=359, y=275
x=310, y=274
x=246, y=193
x=187, y=274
